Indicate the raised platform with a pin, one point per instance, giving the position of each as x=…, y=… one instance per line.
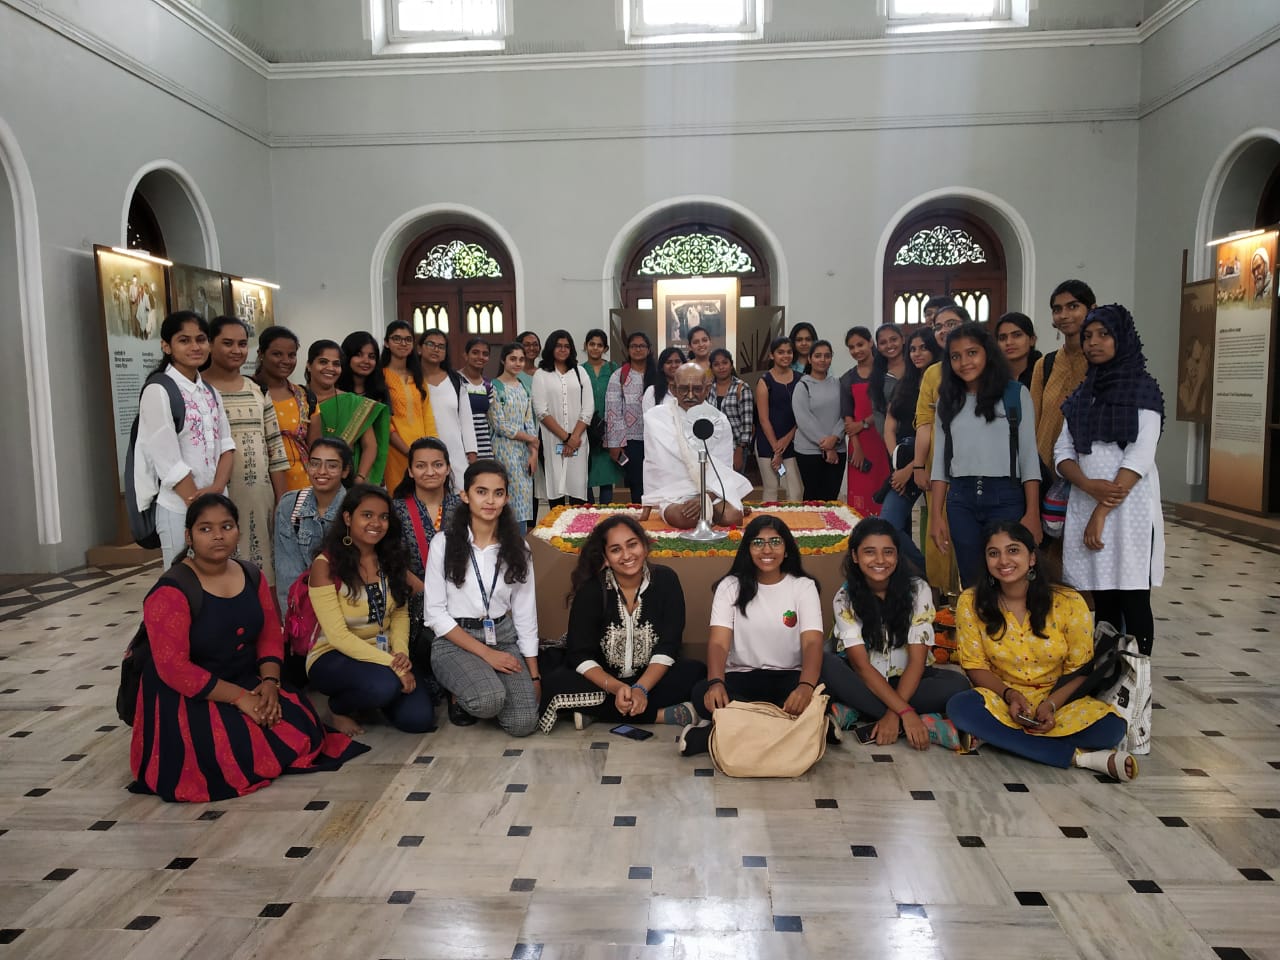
x=1266, y=530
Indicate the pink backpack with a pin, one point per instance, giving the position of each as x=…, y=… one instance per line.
x=300, y=625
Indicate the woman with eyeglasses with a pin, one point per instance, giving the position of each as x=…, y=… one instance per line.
x=303, y=517
x=411, y=414
x=766, y=631
x=563, y=403
x=449, y=404
x=624, y=411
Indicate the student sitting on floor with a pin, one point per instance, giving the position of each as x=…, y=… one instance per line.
x=883, y=629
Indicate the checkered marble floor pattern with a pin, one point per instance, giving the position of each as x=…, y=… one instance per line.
x=466, y=843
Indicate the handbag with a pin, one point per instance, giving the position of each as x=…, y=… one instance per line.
x=751, y=739
x=1119, y=674
x=1053, y=507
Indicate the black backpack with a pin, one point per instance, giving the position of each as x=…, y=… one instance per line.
x=137, y=657
x=142, y=520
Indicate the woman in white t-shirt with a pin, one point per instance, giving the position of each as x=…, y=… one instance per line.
x=766, y=631
x=883, y=630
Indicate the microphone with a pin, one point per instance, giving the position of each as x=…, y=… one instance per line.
x=703, y=428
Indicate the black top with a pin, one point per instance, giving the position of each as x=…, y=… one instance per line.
x=597, y=630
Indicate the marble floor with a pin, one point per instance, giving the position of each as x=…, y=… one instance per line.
x=465, y=843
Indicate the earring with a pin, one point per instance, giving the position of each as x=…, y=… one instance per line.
x=346, y=540
x=191, y=552
x=1031, y=573
x=991, y=581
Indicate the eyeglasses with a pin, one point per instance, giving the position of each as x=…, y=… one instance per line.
x=327, y=466
x=690, y=389
x=432, y=345
x=400, y=340
x=773, y=543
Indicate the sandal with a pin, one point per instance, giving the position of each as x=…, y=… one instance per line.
x=1118, y=764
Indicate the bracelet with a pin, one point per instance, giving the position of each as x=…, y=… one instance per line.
x=918, y=466
x=1004, y=695
x=537, y=679
x=275, y=680
x=719, y=680
x=903, y=713
x=636, y=686
x=811, y=686
x=1052, y=706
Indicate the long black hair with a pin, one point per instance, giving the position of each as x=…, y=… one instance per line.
x=650, y=365
x=549, y=350
x=513, y=551
x=412, y=363
x=375, y=384
x=591, y=559
x=885, y=623
x=744, y=570
x=454, y=376
x=880, y=368
x=265, y=339
x=344, y=559
x=991, y=382
x=986, y=593
x=404, y=489
x=340, y=447
x=907, y=392
x=170, y=328
x=660, y=385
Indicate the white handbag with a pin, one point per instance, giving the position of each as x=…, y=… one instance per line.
x=1131, y=695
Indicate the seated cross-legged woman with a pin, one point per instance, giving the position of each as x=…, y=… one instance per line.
x=481, y=605
x=1018, y=636
x=359, y=590
x=766, y=631
x=883, y=629
x=626, y=625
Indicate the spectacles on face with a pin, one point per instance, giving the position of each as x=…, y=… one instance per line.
x=689, y=389
x=325, y=466
x=400, y=340
x=432, y=345
x=948, y=324
x=773, y=543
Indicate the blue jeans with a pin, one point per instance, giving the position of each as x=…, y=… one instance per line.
x=896, y=510
x=355, y=685
x=968, y=711
x=972, y=503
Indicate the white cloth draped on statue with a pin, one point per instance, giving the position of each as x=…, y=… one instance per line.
x=671, y=471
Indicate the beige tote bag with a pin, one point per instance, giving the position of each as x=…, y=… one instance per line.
x=761, y=740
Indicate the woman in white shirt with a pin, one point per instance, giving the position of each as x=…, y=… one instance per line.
x=449, y=403
x=180, y=462
x=883, y=630
x=563, y=404
x=483, y=611
x=766, y=631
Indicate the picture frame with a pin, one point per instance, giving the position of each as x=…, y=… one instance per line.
x=685, y=303
x=201, y=291
x=1195, y=351
x=253, y=304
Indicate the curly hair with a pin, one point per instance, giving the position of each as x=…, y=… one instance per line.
x=986, y=593
x=743, y=569
x=344, y=559
x=885, y=623
x=591, y=559
x=513, y=551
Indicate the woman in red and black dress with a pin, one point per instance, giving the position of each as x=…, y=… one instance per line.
x=213, y=720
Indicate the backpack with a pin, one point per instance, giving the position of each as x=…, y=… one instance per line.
x=137, y=656
x=301, y=628
x=141, y=485
x=1013, y=413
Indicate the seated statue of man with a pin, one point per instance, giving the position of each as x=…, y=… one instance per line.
x=671, y=446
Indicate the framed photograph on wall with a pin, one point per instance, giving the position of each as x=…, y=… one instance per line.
x=205, y=292
x=254, y=304
x=708, y=302
x=1195, y=351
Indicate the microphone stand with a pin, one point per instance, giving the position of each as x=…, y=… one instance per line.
x=704, y=532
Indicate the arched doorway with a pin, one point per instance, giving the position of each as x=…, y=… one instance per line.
x=459, y=279
x=944, y=252
x=165, y=214
x=691, y=247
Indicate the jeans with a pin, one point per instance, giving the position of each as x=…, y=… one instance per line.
x=606, y=494
x=355, y=685
x=968, y=711
x=936, y=687
x=896, y=509
x=972, y=503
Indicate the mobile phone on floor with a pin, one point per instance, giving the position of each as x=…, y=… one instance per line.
x=865, y=733
x=630, y=732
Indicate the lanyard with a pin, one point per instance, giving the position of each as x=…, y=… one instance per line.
x=493, y=586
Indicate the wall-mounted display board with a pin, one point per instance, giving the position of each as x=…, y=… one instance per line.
x=1242, y=422
x=1195, y=351
x=755, y=328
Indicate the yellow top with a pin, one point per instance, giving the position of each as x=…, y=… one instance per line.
x=1069, y=369
x=411, y=418
x=940, y=568
x=345, y=627
x=1031, y=664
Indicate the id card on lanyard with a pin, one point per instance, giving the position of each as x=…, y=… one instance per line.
x=490, y=628
x=381, y=642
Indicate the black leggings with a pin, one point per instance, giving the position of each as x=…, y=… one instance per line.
x=1128, y=611
x=771, y=686
x=821, y=480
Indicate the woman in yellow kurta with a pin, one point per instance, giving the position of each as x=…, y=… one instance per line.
x=940, y=568
x=410, y=403
x=1018, y=636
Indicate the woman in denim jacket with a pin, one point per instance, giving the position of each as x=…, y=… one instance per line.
x=304, y=516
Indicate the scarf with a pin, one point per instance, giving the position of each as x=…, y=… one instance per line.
x=1104, y=408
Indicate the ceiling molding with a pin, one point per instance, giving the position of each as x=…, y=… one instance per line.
x=202, y=24
x=131, y=65
x=1163, y=17
x=700, y=129
x=1210, y=72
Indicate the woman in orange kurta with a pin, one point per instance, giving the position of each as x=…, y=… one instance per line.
x=277, y=359
x=410, y=403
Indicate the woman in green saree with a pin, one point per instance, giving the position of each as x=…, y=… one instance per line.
x=361, y=422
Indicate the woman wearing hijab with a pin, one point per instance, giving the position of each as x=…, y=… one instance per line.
x=1113, y=542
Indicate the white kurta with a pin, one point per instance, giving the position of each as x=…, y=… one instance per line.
x=568, y=398
x=671, y=473
x=1133, y=555
x=454, y=426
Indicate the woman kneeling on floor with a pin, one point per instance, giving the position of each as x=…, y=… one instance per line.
x=1018, y=635
x=359, y=589
x=626, y=625
x=883, y=630
x=213, y=720
x=766, y=631
x=481, y=605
